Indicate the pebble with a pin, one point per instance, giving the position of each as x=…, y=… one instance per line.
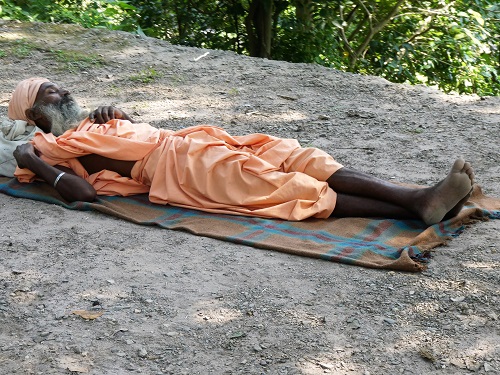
x=326, y=366
x=488, y=367
x=389, y=321
x=142, y=353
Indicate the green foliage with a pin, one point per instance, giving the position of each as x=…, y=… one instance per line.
x=202, y=23
x=453, y=47
x=112, y=14
x=449, y=43
x=10, y=11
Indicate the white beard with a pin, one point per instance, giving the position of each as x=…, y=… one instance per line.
x=64, y=116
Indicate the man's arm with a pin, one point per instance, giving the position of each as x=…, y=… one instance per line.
x=71, y=187
x=103, y=114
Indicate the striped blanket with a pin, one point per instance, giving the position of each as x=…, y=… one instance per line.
x=389, y=244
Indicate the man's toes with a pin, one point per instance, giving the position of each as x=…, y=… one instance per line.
x=458, y=165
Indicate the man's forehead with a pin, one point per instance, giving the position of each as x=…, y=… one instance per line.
x=43, y=87
x=47, y=85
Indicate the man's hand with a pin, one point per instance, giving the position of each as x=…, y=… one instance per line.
x=24, y=154
x=71, y=187
x=105, y=113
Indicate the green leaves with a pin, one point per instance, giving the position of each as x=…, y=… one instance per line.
x=449, y=43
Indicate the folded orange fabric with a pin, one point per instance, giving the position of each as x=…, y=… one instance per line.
x=201, y=167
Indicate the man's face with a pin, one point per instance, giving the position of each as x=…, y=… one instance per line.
x=56, y=109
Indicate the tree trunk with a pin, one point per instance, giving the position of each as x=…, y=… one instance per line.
x=303, y=14
x=258, y=22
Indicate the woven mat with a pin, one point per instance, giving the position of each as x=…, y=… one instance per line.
x=390, y=244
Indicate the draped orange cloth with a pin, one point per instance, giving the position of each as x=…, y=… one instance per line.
x=200, y=167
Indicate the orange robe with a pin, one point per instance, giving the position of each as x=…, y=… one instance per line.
x=200, y=167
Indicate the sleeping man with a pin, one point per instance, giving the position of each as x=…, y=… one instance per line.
x=205, y=168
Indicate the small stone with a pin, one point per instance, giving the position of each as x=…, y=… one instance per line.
x=110, y=281
x=389, y=321
x=458, y=362
x=488, y=367
x=142, y=353
x=326, y=366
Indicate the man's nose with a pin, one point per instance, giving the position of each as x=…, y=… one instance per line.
x=63, y=92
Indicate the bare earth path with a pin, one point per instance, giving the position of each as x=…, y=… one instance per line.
x=179, y=304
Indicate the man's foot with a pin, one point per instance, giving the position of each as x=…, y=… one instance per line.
x=458, y=207
x=449, y=195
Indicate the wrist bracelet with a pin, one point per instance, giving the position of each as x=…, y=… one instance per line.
x=58, y=178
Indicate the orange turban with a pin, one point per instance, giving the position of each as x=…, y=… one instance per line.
x=24, y=97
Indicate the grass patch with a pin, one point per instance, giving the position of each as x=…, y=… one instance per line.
x=146, y=76
x=75, y=61
x=17, y=48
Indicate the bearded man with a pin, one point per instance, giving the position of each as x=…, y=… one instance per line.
x=58, y=108
x=205, y=168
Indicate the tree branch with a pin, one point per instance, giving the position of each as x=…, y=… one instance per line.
x=374, y=29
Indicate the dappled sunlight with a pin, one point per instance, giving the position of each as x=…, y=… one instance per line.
x=21, y=285
x=482, y=265
x=426, y=309
x=209, y=314
x=133, y=51
x=108, y=294
x=337, y=363
x=14, y=36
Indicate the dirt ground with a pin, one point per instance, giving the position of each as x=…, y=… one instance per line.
x=175, y=303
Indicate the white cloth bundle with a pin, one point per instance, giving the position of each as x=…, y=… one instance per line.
x=12, y=134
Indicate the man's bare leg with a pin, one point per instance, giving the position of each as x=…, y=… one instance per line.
x=362, y=195
x=357, y=206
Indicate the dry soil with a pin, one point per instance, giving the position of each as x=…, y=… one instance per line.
x=175, y=303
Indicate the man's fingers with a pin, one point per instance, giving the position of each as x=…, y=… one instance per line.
x=105, y=113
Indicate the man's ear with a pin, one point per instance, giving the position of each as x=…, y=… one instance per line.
x=32, y=114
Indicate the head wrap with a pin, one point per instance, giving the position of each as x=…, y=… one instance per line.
x=24, y=97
